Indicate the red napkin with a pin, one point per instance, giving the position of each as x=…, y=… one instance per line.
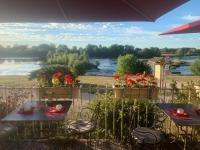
x=26, y=112
x=54, y=110
x=178, y=115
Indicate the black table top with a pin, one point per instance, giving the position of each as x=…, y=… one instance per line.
x=194, y=119
x=39, y=112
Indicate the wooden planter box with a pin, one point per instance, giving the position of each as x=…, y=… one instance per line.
x=139, y=93
x=59, y=92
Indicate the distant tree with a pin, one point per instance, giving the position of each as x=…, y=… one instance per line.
x=195, y=67
x=130, y=64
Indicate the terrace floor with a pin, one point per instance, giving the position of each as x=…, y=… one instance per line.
x=83, y=144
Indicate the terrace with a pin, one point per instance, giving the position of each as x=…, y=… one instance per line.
x=131, y=112
x=114, y=121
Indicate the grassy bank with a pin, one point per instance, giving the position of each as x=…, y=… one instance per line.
x=23, y=81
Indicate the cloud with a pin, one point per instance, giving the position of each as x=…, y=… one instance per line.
x=81, y=34
x=190, y=17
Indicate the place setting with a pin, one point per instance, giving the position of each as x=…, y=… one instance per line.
x=56, y=110
x=179, y=113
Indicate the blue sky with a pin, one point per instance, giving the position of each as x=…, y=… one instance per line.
x=139, y=34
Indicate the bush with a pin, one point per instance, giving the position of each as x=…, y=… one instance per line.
x=129, y=64
x=129, y=114
x=187, y=93
x=195, y=68
x=78, y=63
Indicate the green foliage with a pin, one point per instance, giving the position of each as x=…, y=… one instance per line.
x=47, y=72
x=121, y=116
x=39, y=51
x=195, y=68
x=187, y=93
x=115, y=50
x=93, y=51
x=129, y=64
x=78, y=63
x=180, y=51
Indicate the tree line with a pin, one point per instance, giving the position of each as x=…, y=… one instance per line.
x=94, y=51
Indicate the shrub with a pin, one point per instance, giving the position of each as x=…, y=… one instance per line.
x=128, y=118
x=195, y=68
x=187, y=93
x=131, y=65
x=78, y=63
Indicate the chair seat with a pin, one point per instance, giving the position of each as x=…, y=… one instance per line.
x=7, y=129
x=147, y=135
x=81, y=126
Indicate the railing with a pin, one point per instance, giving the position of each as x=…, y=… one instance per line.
x=118, y=116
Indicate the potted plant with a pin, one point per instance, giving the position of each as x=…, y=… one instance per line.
x=141, y=86
x=56, y=83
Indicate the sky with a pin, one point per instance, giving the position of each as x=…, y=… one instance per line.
x=138, y=34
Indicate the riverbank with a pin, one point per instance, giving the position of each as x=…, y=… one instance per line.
x=23, y=81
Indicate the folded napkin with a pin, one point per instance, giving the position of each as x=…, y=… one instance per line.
x=176, y=115
x=54, y=110
x=26, y=112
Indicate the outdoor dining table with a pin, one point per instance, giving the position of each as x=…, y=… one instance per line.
x=190, y=117
x=38, y=112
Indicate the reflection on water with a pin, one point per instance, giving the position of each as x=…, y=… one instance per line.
x=13, y=67
x=106, y=67
x=185, y=70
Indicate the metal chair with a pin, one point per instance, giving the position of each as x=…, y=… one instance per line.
x=150, y=137
x=85, y=122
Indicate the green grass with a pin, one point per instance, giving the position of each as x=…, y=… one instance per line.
x=183, y=79
x=23, y=81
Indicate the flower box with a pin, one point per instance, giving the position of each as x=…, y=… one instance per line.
x=139, y=93
x=59, y=92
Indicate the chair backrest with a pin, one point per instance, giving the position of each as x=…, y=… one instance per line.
x=89, y=114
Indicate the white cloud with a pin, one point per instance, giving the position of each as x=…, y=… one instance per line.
x=81, y=34
x=190, y=17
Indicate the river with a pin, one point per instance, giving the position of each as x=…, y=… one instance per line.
x=107, y=66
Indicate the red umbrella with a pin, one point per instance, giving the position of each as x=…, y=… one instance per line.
x=193, y=27
x=84, y=10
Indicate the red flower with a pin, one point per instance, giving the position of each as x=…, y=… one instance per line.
x=68, y=80
x=125, y=76
x=67, y=77
x=57, y=75
x=130, y=82
x=137, y=74
x=116, y=77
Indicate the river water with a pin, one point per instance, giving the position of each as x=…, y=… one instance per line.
x=17, y=67
x=107, y=66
